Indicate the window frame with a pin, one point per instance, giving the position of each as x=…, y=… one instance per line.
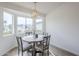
x=6, y=11
x=25, y=23
x=14, y=21
x=17, y=23
x=39, y=23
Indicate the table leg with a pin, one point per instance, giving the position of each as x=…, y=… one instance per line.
x=33, y=52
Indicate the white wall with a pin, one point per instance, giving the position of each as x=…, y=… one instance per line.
x=63, y=25
x=6, y=42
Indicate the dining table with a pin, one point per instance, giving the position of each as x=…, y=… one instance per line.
x=33, y=40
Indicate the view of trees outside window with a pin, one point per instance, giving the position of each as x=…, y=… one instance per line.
x=7, y=22
x=39, y=25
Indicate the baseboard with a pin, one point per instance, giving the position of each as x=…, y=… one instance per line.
x=64, y=49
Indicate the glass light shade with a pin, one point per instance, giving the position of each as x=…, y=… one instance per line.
x=34, y=14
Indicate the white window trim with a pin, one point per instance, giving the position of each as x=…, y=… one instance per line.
x=14, y=22
x=5, y=10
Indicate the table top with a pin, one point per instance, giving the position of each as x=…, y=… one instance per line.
x=32, y=39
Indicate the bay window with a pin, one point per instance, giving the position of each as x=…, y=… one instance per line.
x=23, y=25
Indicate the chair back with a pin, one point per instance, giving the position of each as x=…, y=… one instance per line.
x=45, y=33
x=19, y=42
x=46, y=41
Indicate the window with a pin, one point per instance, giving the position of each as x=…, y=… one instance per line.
x=24, y=25
x=20, y=24
x=7, y=22
x=39, y=25
x=29, y=23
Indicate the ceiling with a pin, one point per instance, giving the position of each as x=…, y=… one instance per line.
x=42, y=7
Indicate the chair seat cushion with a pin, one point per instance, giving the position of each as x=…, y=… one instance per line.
x=26, y=46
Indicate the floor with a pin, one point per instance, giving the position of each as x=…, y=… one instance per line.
x=60, y=52
x=14, y=52
x=54, y=51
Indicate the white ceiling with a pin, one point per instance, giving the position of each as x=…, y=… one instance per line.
x=42, y=7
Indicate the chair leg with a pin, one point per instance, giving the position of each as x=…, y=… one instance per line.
x=22, y=53
x=42, y=53
x=18, y=51
x=33, y=53
x=48, y=52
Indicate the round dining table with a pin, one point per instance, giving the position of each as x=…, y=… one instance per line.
x=33, y=40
